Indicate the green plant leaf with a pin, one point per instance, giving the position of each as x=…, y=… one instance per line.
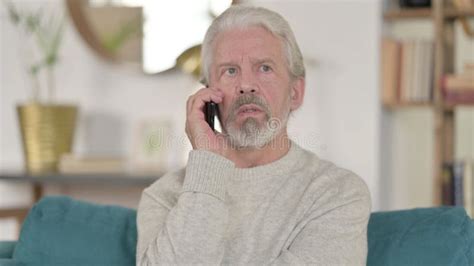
x=115, y=40
x=56, y=39
x=13, y=14
x=35, y=68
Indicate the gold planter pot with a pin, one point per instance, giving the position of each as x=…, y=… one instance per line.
x=47, y=132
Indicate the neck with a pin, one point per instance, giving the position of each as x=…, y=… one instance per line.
x=272, y=151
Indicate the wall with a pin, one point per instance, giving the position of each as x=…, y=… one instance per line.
x=339, y=119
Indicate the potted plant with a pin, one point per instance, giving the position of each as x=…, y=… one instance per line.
x=47, y=127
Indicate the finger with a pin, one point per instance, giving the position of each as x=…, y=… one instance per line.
x=190, y=100
x=199, y=102
x=202, y=97
x=188, y=105
x=206, y=91
x=218, y=91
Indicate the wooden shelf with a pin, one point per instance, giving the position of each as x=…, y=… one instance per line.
x=121, y=179
x=407, y=13
x=407, y=105
x=444, y=106
x=455, y=13
x=452, y=106
x=423, y=13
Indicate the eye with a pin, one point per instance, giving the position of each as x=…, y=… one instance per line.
x=231, y=71
x=265, y=68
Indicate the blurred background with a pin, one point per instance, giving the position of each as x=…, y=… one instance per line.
x=93, y=93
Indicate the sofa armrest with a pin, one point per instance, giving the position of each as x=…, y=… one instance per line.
x=6, y=249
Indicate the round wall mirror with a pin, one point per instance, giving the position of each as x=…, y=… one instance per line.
x=156, y=35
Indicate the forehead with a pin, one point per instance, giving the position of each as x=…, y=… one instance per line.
x=249, y=43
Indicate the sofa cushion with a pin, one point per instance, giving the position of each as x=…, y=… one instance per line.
x=63, y=231
x=6, y=249
x=10, y=262
x=424, y=236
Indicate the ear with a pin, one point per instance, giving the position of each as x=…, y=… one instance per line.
x=297, y=93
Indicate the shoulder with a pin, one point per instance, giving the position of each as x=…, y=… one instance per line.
x=332, y=183
x=347, y=182
x=166, y=189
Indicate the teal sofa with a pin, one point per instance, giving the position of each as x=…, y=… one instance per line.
x=62, y=231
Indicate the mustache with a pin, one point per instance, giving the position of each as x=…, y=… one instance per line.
x=250, y=99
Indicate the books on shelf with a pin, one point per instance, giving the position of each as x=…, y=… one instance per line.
x=458, y=182
x=459, y=88
x=463, y=3
x=407, y=71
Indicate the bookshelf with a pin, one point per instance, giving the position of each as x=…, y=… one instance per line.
x=442, y=16
x=448, y=13
x=394, y=106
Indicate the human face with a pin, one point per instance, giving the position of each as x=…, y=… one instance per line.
x=250, y=68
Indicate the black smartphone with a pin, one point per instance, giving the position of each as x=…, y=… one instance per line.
x=210, y=112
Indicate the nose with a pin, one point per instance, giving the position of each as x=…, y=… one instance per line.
x=247, y=83
x=243, y=90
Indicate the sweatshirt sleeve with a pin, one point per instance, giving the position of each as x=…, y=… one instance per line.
x=336, y=232
x=192, y=231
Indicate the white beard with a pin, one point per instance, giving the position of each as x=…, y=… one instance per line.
x=251, y=134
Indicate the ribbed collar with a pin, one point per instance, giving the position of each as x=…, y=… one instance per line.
x=282, y=166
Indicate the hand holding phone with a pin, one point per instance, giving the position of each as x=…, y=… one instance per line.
x=210, y=111
x=205, y=101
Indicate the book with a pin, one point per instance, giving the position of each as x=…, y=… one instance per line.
x=458, y=173
x=407, y=71
x=458, y=96
x=390, y=70
x=459, y=88
x=463, y=3
x=458, y=184
x=468, y=189
x=458, y=82
x=447, y=187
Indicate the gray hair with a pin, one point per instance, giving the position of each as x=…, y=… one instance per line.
x=241, y=17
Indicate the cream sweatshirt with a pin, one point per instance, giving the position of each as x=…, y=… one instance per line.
x=296, y=210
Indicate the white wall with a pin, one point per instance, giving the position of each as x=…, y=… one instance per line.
x=410, y=142
x=339, y=120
